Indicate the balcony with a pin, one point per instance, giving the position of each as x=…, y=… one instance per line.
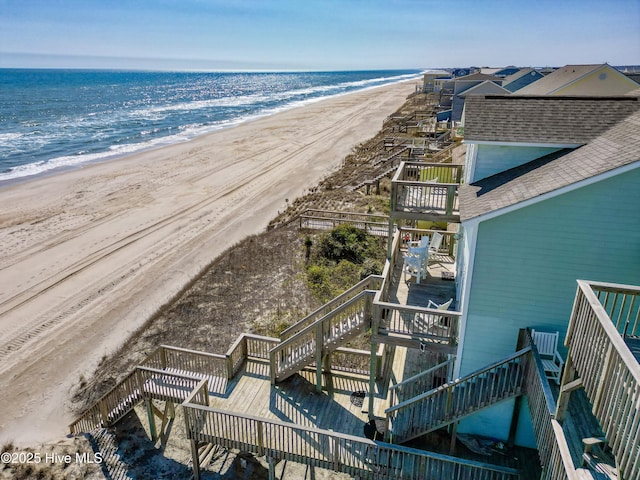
x=603, y=340
x=426, y=191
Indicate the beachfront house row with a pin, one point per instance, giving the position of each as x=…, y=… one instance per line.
x=432, y=80
x=590, y=80
x=550, y=195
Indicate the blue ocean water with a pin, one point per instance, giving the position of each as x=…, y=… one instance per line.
x=59, y=118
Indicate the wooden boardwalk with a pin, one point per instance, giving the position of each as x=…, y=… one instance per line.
x=295, y=399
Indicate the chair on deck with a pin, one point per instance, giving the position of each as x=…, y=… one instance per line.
x=434, y=245
x=547, y=345
x=415, y=263
x=422, y=243
x=433, y=324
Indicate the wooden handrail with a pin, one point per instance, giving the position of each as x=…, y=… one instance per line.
x=610, y=373
x=372, y=282
x=336, y=451
x=312, y=326
x=519, y=353
x=418, y=376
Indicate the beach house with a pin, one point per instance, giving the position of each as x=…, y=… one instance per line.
x=550, y=196
x=593, y=80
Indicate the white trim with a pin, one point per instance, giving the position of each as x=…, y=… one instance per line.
x=554, y=193
x=524, y=144
x=470, y=233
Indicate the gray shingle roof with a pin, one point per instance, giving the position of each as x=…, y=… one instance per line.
x=563, y=120
x=617, y=147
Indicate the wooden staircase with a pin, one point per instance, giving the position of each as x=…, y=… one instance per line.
x=315, y=340
x=455, y=400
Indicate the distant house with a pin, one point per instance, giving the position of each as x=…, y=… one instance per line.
x=500, y=72
x=432, y=80
x=521, y=79
x=551, y=194
x=462, y=84
x=596, y=80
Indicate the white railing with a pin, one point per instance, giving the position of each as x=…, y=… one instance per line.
x=610, y=373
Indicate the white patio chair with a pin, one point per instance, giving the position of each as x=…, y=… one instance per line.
x=415, y=261
x=434, y=245
x=422, y=243
x=547, y=345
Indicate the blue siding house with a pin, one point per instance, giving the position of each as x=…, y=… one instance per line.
x=551, y=196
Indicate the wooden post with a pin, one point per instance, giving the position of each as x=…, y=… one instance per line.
x=196, y=459
x=373, y=361
x=152, y=418
x=260, y=439
x=319, y=348
x=514, y=421
x=163, y=357
x=568, y=377
x=454, y=430
x=272, y=468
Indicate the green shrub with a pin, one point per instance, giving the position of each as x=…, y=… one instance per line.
x=340, y=259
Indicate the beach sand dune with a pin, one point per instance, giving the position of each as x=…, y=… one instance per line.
x=88, y=255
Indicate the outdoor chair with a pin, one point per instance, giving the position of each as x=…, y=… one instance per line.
x=434, y=245
x=422, y=243
x=547, y=345
x=433, y=324
x=415, y=260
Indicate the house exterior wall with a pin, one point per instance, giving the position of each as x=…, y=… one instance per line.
x=525, y=267
x=603, y=81
x=492, y=159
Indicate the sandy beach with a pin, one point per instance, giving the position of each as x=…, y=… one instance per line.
x=88, y=255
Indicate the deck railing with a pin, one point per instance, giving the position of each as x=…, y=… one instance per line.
x=372, y=282
x=426, y=190
x=374, y=224
x=166, y=386
x=177, y=360
x=248, y=345
x=348, y=454
x=447, y=247
x=609, y=371
x=553, y=448
x=425, y=381
x=455, y=400
x=322, y=336
x=426, y=324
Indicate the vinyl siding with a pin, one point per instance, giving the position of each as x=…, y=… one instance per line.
x=492, y=159
x=527, y=262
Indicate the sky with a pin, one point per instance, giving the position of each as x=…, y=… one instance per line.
x=316, y=34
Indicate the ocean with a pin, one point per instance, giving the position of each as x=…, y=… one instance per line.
x=52, y=119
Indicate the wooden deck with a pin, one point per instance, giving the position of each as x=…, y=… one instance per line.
x=295, y=399
x=404, y=290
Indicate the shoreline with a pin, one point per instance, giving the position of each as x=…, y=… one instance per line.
x=90, y=254
x=176, y=139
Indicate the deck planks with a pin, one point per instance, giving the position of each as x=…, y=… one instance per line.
x=295, y=399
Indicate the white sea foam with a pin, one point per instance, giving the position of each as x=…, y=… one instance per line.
x=102, y=124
